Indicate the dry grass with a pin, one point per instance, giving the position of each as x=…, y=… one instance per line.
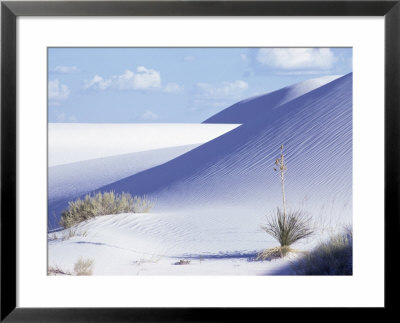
x=152, y=260
x=56, y=271
x=84, y=267
x=276, y=252
x=334, y=257
x=68, y=234
x=103, y=204
x=73, y=232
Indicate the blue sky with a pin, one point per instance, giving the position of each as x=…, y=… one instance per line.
x=174, y=85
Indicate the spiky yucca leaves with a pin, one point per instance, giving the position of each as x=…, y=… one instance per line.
x=103, y=204
x=289, y=228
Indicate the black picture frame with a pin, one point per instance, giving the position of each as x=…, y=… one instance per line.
x=11, y=10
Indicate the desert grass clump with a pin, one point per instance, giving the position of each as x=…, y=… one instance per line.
x=274, y=253
x=103, y=204
x=286, y=227
x=333, y=257
x=83, y=267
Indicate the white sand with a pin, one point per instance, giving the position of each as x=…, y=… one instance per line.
x=73, y=142
x=210, y=200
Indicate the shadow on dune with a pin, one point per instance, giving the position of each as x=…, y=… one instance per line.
x=94, y=243
x=70, y=181
x=250, y=256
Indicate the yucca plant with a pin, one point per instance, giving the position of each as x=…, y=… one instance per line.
x=289, y=228
x=285, y=227
x=282, y=169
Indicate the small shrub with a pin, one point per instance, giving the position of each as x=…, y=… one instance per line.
x=83, y=267
x=334, y=257
x=290, y=228
x=103, y=204
x=182, y=262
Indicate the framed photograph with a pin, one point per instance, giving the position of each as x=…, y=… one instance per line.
x=197, y=161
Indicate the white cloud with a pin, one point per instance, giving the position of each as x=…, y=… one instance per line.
x=149, y=115
x=297, y=58
x=66, y=69
x=173, y=88
x=142, y=79
x=188, y=58
x=58, y=91
x=97, y=82
x=233, y=90
x=146, y=78
x=243, y=57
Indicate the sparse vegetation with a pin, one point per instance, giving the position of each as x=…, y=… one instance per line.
x=153, y=259
x=68, y=234
x=273, y=253
x=286, y=227
x=103, y=204
x=334, y=257
x=52, y=237
x=73, y=232
x=56, y=271
x=84, y=267
x=182, y=262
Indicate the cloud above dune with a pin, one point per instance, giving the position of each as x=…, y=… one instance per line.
x=142, y=79
x=297, y=58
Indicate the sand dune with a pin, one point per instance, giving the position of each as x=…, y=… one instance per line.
x=237, y=167
x=210, y=201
